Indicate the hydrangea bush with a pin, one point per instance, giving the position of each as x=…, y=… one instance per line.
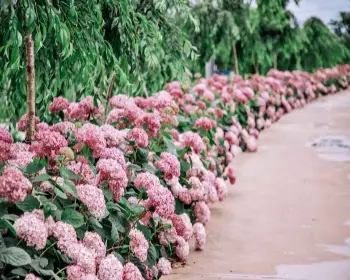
x=118, y=191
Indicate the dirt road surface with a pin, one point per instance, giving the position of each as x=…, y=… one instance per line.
x=288, y=215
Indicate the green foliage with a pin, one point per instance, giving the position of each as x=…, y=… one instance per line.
x=78, y=44
x=322, y=48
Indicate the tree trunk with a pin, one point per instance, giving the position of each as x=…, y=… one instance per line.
x=109, y=92
x=256, y=67
x=30, y=73
x=236, y=59
x=275, y=60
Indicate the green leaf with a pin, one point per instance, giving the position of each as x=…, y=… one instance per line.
x=60, y=193
x=67, y=174
x=170, y=147
x=2, y=243
x=29, y=204
x=43, y=262
x=119, y=257
x=134, y=167
x=8, y=225
x=14, y=256
x=19, y=271
x=10, y=217
x=72, y=217
x=69, y=187
x=33, y=167
x=149, y=168
x=41, y=178
x=152, y=255
x=115, y=221
x=95, y=222
x=145, y=230
x=114, y=233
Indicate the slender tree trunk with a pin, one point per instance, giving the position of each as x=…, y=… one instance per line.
x=235, y=59
x=30, y=73
x=109, y=92
x=256, y=67
x=275, y=60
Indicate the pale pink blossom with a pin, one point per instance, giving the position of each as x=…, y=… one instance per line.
x=146, y=180
x=59, y=104
x=23, y=122
x=221, y=188
x=31, y=227
x=164, y=266
x=193, y=140
x=131, y=272
x=169, y=164
x=200, y=236
x=93, y=198
x=31, y=276
x=183, y=225
x=13, y=185
x=162, y=200
x=140, y=137
x=205, y=123
x=182, y=248
x=202, y=212
x=138, y=244
x=110, y=268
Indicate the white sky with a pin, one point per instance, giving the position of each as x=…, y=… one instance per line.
x=324, y=9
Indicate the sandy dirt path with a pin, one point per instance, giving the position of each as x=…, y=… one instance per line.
x=287, y=217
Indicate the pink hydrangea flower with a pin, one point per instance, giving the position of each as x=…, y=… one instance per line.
x=64, y=127
x=131, y=272
x=48, y=143
x=221, y=188
x=212, y=195
x=65, y=234
x=138, y=244
x=202, y=212
x=113, y=136
x=193, y=140
x=197, y=190
x=162, y=200
x=82, y=257
x=182, y=248
x=200, y=236
x=205, y=123
x=168, y=235
x=85, y=109
x=92, y=136
x=115, y=154
x=111, y=171
x=13, y=185
x=231, y=175
x=31, y=276
x=146, y=180
x=31, y=228
x=183, y=225
x=93, y=198
x=110, y=268
x=5, y=144
x=94, y=243
x=23, y=122
x=140, y=137
x=59, y=104
x=164, y=266
x=169, y=164
x=251, y=144
x=83, y=170
x=75, y=272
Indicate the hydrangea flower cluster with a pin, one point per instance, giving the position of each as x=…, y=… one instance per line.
x=111, y=187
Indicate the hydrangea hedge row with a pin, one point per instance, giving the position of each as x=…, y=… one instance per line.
x=117, y=191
